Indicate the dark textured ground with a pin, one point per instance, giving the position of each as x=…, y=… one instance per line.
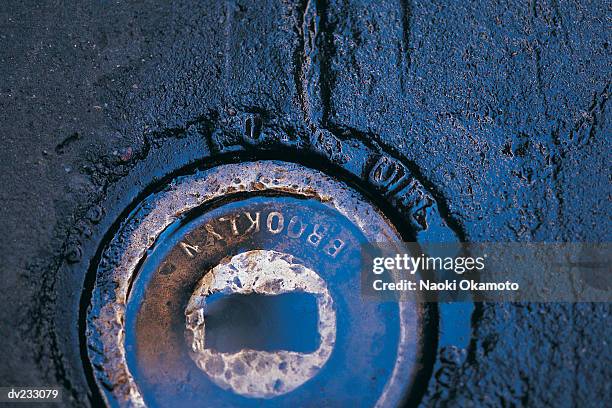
x=499, y=107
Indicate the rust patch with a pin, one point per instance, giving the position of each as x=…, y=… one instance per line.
x=255, y=373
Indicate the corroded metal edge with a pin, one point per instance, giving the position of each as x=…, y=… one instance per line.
x=271, y=273
x=357, y=153
x=120, y=260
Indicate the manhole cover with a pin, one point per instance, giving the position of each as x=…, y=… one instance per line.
x=240, y=286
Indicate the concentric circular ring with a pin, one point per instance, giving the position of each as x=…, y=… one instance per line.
x=122, y=260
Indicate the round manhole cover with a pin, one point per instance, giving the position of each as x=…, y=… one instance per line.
x=240, y=286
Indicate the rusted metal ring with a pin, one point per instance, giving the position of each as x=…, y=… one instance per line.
x=123, y=256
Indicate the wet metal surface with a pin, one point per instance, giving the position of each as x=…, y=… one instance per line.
x=498, y=109
x=261, y=228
